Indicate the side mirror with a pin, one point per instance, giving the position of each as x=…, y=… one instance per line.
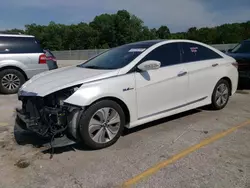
x=149, y=65
x=229, y=50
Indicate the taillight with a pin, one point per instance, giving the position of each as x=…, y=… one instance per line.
x=42, y=59
x=235, y=64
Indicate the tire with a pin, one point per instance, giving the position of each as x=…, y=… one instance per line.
x=8, y=74
x=93, y=114
x=219, y=100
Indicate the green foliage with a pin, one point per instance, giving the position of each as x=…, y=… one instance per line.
x=163, y=32
x=110, y=30
x=15, y=31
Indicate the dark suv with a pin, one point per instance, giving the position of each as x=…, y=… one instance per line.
x=241, y=53
x=21, y=57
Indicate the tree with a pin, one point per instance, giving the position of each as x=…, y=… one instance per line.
x=192, y=33
x=128, y=28
x=105, y=26
x=148, y=34
x=163, y=32
x=111, y=30
x=15, y=31
x=179, y=35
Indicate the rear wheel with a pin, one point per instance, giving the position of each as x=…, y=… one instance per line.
x=221, y=95
x=10, y=81
x=101, y=124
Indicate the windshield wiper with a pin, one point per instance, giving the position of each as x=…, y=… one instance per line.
x=95, y=67
x=91, y=67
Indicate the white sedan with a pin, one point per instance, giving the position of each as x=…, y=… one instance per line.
x=126, y=86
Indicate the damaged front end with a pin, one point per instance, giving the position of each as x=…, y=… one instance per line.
x=50, y=117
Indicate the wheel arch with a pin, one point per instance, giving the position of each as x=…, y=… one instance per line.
x=15, y=68
x=229, y=81
x=121, y=103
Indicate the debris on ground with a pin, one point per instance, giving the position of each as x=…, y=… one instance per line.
x=3, y=129
x=240, y=170
x=22, y=163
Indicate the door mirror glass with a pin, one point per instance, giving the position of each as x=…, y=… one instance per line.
x=149, y=65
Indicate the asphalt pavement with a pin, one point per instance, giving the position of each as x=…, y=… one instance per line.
x=199, y=148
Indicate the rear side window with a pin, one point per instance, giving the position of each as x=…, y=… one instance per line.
x=195, y=52
x=19, y=45
x=168, y=54
x=244, y=47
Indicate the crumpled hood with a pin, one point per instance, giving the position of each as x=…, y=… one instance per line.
x=54, y=80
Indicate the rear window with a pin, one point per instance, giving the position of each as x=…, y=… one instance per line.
x=244, y=47
x=19, y=45
x=194, y=52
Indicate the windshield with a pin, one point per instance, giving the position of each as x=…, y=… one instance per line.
x=243, y=47
x=116, y=58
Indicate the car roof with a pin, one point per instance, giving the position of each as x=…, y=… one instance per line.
x=152, y=42
x=148, y=42
x=15, y=35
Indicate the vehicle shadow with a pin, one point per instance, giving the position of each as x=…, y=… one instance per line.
x=244, y=84
x=23, y=137
x=160, y=121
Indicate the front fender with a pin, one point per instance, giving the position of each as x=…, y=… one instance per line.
x=87, y=95
x=120, y=87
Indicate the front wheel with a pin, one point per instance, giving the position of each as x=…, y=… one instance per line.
x=220, y=95
x=101, y=124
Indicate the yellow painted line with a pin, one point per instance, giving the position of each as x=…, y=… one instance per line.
x=2, y=124
x=184, y=153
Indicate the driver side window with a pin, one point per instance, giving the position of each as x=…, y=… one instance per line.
x=167, y=54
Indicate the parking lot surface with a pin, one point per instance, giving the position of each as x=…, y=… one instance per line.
x=222, y=162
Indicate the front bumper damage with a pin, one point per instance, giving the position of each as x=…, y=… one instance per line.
x=50, y=118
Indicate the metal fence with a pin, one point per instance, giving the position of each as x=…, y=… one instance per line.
x=77, y=54
x=86, y=54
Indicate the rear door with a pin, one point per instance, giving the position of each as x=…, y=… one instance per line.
x=164, y=89
x=30, y=47
x=10, y=52
x=203, y=66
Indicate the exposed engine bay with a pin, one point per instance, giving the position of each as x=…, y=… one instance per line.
x=49, y=116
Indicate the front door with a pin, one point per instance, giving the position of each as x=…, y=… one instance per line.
x=164, y=89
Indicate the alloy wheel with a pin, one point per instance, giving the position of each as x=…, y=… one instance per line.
x=11, y=81
x=104, y=125
x=222, y=94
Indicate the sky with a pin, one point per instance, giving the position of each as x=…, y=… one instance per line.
x=178, y=15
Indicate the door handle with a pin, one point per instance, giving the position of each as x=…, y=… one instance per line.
x=214, y=65
x=182, y=73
